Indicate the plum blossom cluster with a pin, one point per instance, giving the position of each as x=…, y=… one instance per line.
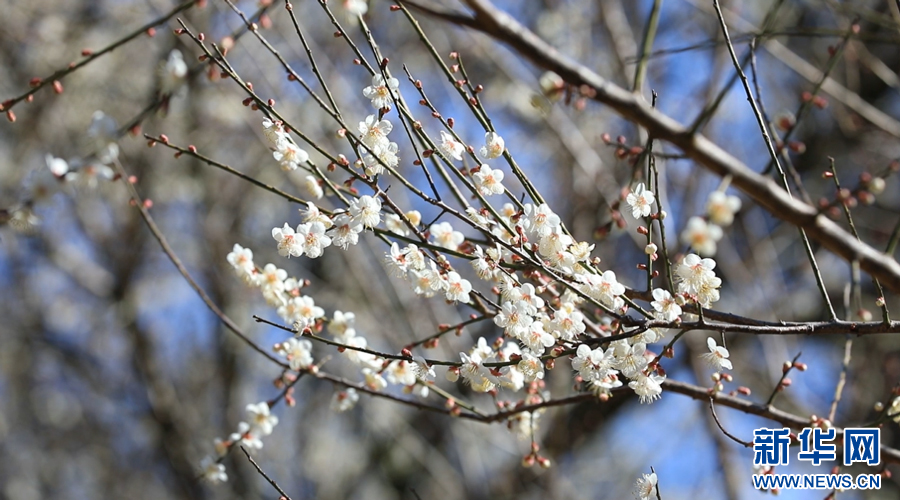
x=549, y=298
x=259, y=423
x=279, y=290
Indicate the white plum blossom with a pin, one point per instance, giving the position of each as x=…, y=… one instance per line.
x=312, y=186
x=373, y=131
x=494, y=145
x=298, y=352
x=514, y=317
x=536, y=339
x=721, y=208
x=342, y=326
x=539, y=220
x=241, y=259
x=261, y=419
x=312, y=239
x=380, y=91
x=272, y=278
x=401, y=372
x=373, y=379
x=289, y=244
x=568, y=323
x=288, y=154
x=717, y=357
x=385, y=154
x=696, y=277
x=593, y=365
x=366, y=210
x=667, y=309
x=488, y=181
x=246, y=437
x=307, y=312
x=554, y=242
x=445, y=236
x=344, y=400
x=701, y=236
x=645, y=487
x=630, y=359
x=456, y=288
x=531, y=367
x=395, y=224
x=475, y=373
x=605, y=288
x=647, y=387
x=273, y=130
x=640, y=201
x=581, y=251
x=58, y=167
x=172, y=73
x=212, y=471
x=364, y=360
x=345, y=231
x=313, y=214
x=450, y=147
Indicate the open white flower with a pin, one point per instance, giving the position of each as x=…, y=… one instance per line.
x=212, y=471
x=488, y=181
x=445, y=236
x=664, y=304
x=344, y=400
x=701, y=236
x=380, y=91
x=494, y=145
x=312, y=238
x=261, y=419
x=288, y=154
x=721, y=208
x=374, y=131
x=450, y=147
x=717, y=357
x=641, y=201
x=646, y=487
x=366, y=210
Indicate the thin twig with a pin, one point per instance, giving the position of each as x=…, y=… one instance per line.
x=263, y=474
x=712, y=409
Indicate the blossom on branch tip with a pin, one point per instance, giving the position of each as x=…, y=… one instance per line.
x=645, y=487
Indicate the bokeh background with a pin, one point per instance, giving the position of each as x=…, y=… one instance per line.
x=114, y=377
